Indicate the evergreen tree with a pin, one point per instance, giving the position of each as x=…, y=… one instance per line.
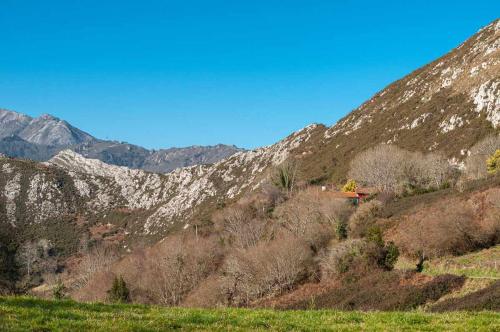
x=493, y=163
x=59, y=291
x=119, y=292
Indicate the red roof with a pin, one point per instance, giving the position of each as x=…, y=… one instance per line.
x=340, y=194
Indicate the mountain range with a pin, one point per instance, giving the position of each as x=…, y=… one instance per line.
x=446, y=106
x=42, y=138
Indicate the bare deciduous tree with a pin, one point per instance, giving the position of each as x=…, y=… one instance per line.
x=268, y=269
x=392, y=169
x=475, y=163
x=176, y=266
x=98, y=260
x=313, y=216
x=241, y=226
x=28, y=255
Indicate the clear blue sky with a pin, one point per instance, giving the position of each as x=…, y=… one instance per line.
x=176, y=73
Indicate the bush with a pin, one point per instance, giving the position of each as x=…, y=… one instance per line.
x=350, y=186
x=284, y=176
x=267, y=269
x=240, y=226
x=176, y=266
x=363, y=218
x=341, y=230
x=59, y=291
x=385, y=254
x=341, y=257
x=119, y=292
x=357, y=256
x=493, y=163
x=449, y=227
x=479, y=153
x=210, y=293
x=391, y=255
x=99, y=259
x=374, y=235
x=392, y=169
x=314, y=217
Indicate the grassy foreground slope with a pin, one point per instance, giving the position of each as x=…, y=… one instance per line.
x=28, y=314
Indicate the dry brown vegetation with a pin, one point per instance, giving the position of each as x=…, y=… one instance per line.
x=268, y=269
x=479, y=153
x=450, y=227
x=295, y=243
x=312, y=250
x=258, y=250
x=484, y=299
x=377, y=290
x=98, y=259
x=392, y=169
x=313, y=216
x=364, y=218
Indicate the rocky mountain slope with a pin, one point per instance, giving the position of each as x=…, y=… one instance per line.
x=89, y=189
x=446, y=106
x=42, y=138
x=44, y=130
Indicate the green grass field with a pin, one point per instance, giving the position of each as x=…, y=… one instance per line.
x=28, y=314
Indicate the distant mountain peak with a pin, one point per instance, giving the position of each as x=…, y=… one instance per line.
x=42, y=137
x=47, y=116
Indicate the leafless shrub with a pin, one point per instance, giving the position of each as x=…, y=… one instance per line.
x=313, y=216
x=340, y=257
x=176, y=266
x=363, y=218
x=210, y=293
x=96, y=289
x=272, y=194
x=241, y=225
x=476, y=162
x=392, y=169
x=453, y=227
x=268, y=269
x=97, y=260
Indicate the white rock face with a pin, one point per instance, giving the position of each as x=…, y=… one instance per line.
x=472, y=71
x=174, y=195
x=11, y=191
x=487, y=100
x=454, y=122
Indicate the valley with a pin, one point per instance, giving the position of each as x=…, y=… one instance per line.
x=389, y=219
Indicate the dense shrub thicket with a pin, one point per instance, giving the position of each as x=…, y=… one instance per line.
x=475, y=164
x=451, y=226
x=392, y=169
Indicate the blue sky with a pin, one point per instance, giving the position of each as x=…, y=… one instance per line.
x=178, y=73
